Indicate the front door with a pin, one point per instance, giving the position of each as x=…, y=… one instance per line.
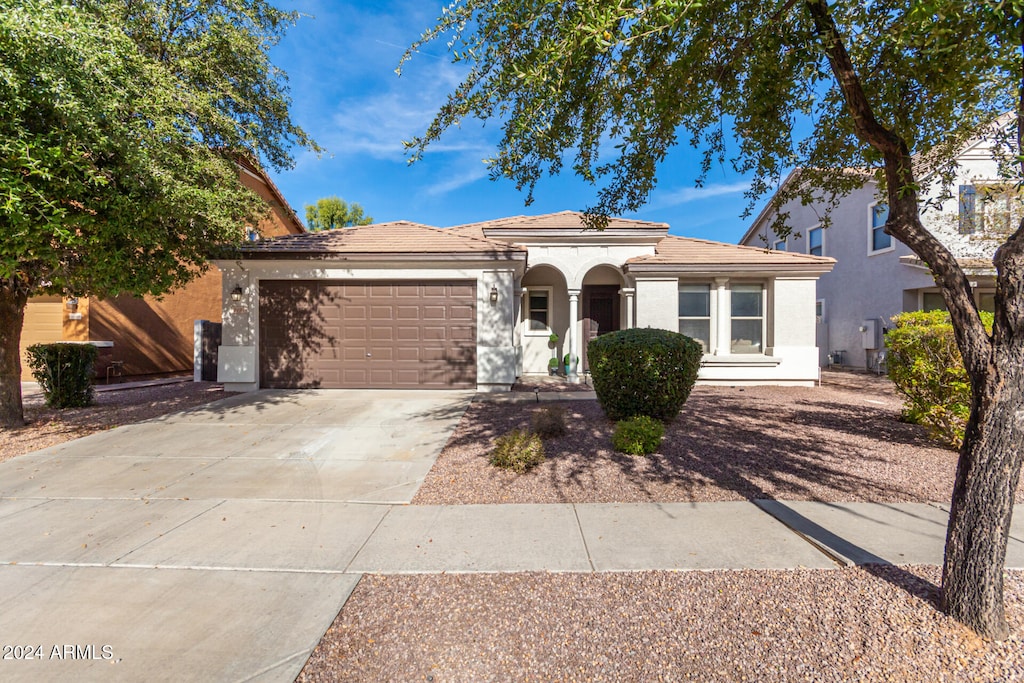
x=600, y=314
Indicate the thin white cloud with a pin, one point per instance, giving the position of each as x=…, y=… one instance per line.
x=454, y=182
x=686, y=195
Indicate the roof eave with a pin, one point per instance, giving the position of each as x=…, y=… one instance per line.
x=721, y=269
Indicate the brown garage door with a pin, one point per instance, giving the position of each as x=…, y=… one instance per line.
x=368, y=334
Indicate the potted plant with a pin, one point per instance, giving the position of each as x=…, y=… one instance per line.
x=569, y=361
x=553, y=366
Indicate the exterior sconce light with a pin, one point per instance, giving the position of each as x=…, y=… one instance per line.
x=494, y=294
x=72, y=303
x=236, y=293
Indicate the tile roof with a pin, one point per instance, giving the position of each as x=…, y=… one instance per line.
x=396, y=237
x=691, y=252
x=554, y=221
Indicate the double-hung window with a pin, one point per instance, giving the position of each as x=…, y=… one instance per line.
x=815, y=242
x=747, y=318
x=539, y=311
x=880, y=240
x=695, y=313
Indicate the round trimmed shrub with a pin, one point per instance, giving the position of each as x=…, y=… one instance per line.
x=643, y=372
x=640, y=435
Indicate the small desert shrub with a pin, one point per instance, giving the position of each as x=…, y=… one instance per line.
x=640, y=435
x=643, y=372
x=925, y=366
x=549, y=422
x=64, y=373
x=518, y=451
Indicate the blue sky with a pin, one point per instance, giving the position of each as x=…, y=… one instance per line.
x=341, y=59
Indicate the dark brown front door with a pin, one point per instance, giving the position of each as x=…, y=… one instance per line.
x=368, y=334
x=600, y=313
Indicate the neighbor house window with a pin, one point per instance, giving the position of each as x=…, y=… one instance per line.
x=815, y=246
x=968, y=215
x=780, y=245
x=695, y=313
x=539, y=310
x=999, y=208
x=747, y=318
x=879, y=239
x=932, y=301
x=819, y=311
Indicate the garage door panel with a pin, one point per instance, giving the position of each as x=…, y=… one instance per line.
x=409, y=353
x=407, y=334
x=435, y=333
x=435, y=312
x=463, y=313
x=416, y=334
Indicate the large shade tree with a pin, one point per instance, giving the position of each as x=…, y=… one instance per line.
x=334, y=212
x=120, y=126
x=892, y=87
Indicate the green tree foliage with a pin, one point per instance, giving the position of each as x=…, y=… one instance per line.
x=641, y=371
x=119, y=127
x=925, y=365
x=333, y=212
x=894, y=88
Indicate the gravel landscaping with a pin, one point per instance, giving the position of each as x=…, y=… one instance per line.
x=875, y=623
x=49, y=427
x=840, y=442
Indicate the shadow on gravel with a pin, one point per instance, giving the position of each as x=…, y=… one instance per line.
x=727, y=444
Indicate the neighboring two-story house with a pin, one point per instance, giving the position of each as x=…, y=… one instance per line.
x=875, y=276
x=149, y=335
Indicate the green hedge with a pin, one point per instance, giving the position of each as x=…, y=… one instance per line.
x=925, y=365
x=64, y=372
x=643, y=372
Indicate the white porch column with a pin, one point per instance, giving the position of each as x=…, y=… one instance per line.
x=628, y=295
x=723, y=334
x=574, y=337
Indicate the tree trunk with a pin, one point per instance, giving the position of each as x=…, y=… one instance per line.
x=13, y=300
x=982, y=505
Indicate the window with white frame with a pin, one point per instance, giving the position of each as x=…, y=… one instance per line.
x=879, y=240
x=538, y=312
x=695, y=313
x=816, y=242
x=747, y=318
x=819, y=311
x=780, y=245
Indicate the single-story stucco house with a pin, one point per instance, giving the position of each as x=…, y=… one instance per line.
x=403, y=305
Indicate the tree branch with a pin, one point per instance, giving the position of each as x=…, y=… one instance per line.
x=901, y=187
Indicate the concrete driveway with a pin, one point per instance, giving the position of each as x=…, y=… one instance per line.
x=207, y=545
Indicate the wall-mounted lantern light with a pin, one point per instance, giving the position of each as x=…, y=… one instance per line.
x=72, y=303
x=236, y=293
x=494, y=294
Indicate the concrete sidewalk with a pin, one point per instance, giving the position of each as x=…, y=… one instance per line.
x=220, y=543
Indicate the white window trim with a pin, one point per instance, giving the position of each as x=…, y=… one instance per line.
x=784, y=243
x=528, y=330
x=712, y=304
x=871, y=241
x=807, y=232
x=763, y=317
